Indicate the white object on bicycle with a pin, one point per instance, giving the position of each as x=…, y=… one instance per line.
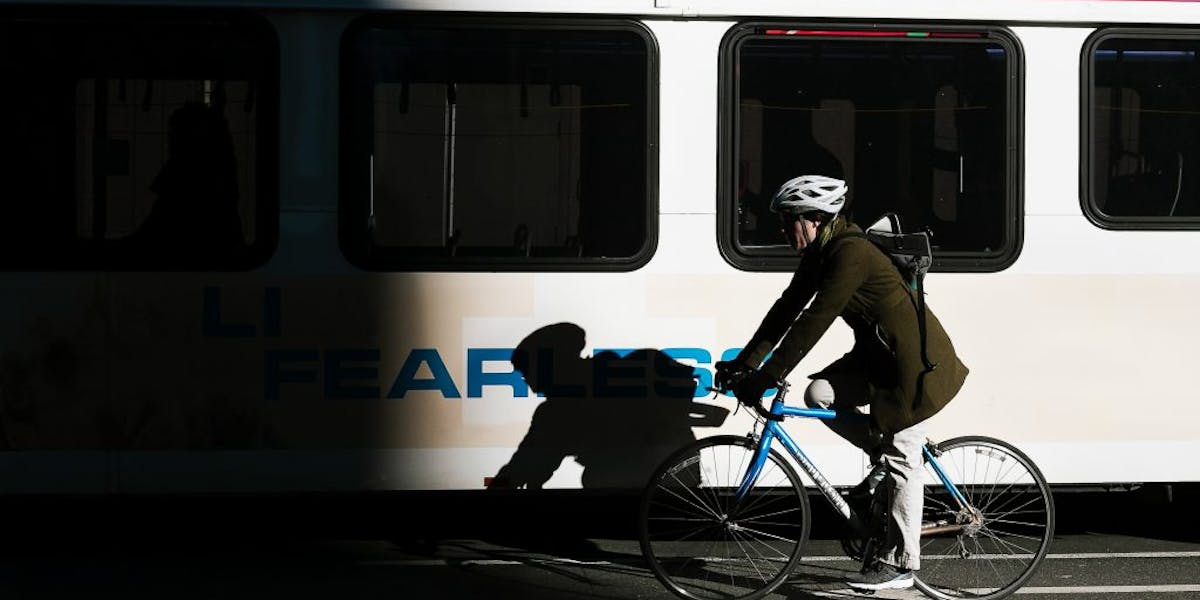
x=809, y=193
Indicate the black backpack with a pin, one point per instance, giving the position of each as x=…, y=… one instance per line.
x=913, y=255
x=910, y=252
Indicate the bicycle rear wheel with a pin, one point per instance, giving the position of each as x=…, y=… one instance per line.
x=702, y=542
x=991, y=547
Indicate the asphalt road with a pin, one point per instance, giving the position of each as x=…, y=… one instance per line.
x=1110, y=546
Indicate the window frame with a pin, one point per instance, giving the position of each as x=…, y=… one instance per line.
x=728, y=143
x=353, y=188
x=1087, y=122
x=111, y=257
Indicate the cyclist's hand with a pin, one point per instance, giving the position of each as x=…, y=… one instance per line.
x=728, y=372
x=750, y=389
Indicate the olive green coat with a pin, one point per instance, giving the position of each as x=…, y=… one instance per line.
x=850, y=277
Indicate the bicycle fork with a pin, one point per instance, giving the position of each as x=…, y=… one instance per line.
x=760, y=459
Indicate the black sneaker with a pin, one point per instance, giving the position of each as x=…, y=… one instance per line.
x=881, y=576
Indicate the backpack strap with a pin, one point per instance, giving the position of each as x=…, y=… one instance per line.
x=921, y=322
x=929, y=367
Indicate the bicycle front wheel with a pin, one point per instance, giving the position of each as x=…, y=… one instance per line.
x=702, y=542
x=990, y=547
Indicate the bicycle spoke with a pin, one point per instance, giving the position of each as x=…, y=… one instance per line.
x=1008, y=501
x=1005, y=548
x=1008, y=565
x=699, y=503
x=755, y=518
x=715, y=487
x=999, y=479
x=685, y=519
x=754, y=502
x=981, y=573
x=692, y=559
x=755, y=543
x=947, y=506
x=729, y=558
x=780, y=556
x=747, y=554
x=773, y=523
x=1010, y=522
x=694, y=532
x=684, y=510
x=771, y=535
x=1031, y=501
x=988, y=531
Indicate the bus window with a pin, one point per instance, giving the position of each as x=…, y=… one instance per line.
x=1142, y=111
x=136, y=140
x=496, y=145
x=921, y=123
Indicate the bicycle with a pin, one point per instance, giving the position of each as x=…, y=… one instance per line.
x=727, y=517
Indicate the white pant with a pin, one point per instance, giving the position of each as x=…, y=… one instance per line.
x=900, y=453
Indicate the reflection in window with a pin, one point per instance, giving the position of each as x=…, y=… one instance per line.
x=135, y=143
x=171, y=170
x=1145, y=121
x=918, y=126
x=491, y=146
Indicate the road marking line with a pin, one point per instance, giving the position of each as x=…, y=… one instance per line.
x=1112, y=589
x=1098, y=589
x=488, y=562
x=1089, y=555
x=1058, y=556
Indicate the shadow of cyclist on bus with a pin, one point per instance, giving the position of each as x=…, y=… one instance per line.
x=618, y=416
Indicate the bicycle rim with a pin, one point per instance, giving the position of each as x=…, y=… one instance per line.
x=702, y=543
x=1006, y=529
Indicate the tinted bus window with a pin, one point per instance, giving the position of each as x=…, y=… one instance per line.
x=137, y=140
x=921, y=123
x=496, y=145
x=1142, y=111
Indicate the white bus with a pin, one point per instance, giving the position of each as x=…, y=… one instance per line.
x=275, y=245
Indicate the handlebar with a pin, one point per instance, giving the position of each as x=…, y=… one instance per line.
x=756, y=405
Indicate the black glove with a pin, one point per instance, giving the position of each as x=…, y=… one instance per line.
x=750, y=389
x=728, y=372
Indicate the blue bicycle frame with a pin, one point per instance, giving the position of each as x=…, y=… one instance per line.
x=774, y=429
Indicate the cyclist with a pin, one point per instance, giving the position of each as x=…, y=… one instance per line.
x=843, y=273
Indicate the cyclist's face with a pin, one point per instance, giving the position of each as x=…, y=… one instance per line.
x=801, y=231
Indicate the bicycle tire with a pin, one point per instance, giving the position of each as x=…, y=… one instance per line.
x=702, y=544
x=1004, y=541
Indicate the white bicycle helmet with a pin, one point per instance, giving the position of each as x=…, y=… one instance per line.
x=809, y=193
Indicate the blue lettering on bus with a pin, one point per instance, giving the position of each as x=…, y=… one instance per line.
x=280, y=367
x=407, y=380
x=354, y=373
x=704, y=377
x=214, y=324
x=477, y=377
